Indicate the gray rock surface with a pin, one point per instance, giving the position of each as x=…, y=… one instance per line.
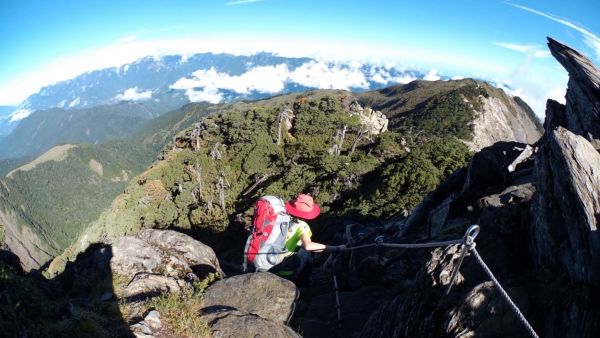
x=483, y=313
x=32, y=250
x=250, y=305
x=182, y=249
x=374, y=121
x=163, y=252
x=146, y=285
x=502, y=119
x=132, y=255
x=153, y=320
x=416, y=315
x=231, y=323
x=490, y=171
x=159, y=262
x=566, y=209
x=514, y=193
x=151, y=326
x=262, y=293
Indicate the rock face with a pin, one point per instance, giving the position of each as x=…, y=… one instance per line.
x=473, y=307
x=402, y=323
x=374, y=121
x=489, y=172
x=566, y=210
x=249, y=305
x=160, y=261
x=32, y=250
x=502, y=119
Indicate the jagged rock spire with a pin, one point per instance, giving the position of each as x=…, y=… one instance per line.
x=582, y=110
x=566, y=208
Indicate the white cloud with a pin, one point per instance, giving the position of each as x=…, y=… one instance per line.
x=380, y=78
x=133, y=94
x=404, y=78
x=458, y=77
x=241, y=2
x=383, y=76
x=528, y=49
x=204, y=85
x=432, y=75
x=594, y=43
x=210, y=95
x=379, y=75
x=263, y=79
x=589, y=38
x=536, y=97
x=557, y=93
x=327, y=76
x=129, y=38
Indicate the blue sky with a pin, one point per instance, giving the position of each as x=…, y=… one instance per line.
x=47, y=41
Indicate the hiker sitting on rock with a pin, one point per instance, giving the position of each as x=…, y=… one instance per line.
x=281, y=239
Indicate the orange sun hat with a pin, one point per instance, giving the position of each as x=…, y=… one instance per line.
x=303, y=207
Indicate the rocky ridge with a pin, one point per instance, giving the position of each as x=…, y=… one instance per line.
x=502, y=119
x=496, y=116
x=538, y=209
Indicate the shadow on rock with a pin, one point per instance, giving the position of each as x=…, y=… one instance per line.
x=79, y=302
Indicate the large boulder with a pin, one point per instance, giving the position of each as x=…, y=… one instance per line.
x=250, y=305
x=165, y=252
x=156, y=262
x=231, y=323
x=566, y=209
x=261, y=293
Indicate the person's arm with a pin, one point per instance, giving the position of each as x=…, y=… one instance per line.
x=309, y=245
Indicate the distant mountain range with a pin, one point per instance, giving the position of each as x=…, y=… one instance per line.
x=45, y=128
x=160, y=84
x=232, y=76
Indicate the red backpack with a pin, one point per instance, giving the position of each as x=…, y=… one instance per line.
x=266, y=243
